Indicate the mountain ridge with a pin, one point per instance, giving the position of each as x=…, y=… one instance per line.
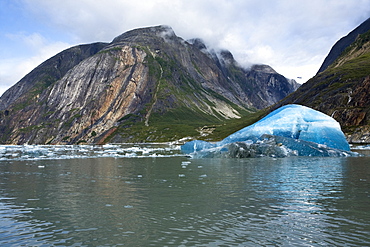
x=146, y=85
x=55, y=67
x=343, y=43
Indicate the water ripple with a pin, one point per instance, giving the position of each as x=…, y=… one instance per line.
x=218, y=202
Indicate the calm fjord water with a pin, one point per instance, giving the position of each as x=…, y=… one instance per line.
x=178, y=201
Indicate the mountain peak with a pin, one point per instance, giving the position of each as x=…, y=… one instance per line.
x=198, y=43
x=162, y=31
x=263, y=68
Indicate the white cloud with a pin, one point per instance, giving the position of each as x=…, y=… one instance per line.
x=33, y=41
x=292, y=36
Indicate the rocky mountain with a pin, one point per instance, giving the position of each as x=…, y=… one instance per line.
x=146, y=85
x=342, y=86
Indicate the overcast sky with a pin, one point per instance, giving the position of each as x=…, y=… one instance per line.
x=292, y=36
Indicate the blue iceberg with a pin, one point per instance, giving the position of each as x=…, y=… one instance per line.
x=290, y=130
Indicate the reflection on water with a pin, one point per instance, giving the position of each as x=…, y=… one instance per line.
x=185, y=202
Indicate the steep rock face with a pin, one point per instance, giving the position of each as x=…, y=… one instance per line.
x=342, y=90
x=272, y=90
x=144, y=78
x=89, y=99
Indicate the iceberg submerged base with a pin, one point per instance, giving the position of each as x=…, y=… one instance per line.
x=272, y=146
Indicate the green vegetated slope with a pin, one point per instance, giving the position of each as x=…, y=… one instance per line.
x=176, y=125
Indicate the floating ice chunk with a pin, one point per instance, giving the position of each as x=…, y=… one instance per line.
x=47, y=152
x=294, y=122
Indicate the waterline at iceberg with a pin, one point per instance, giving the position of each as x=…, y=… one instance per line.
x=292, y=130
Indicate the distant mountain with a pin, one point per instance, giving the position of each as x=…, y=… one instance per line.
x=341, y=89
x=146, y=85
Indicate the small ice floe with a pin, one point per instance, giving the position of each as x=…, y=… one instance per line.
x=184, y=164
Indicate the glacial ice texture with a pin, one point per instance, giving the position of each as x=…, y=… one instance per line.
x=301, y=130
